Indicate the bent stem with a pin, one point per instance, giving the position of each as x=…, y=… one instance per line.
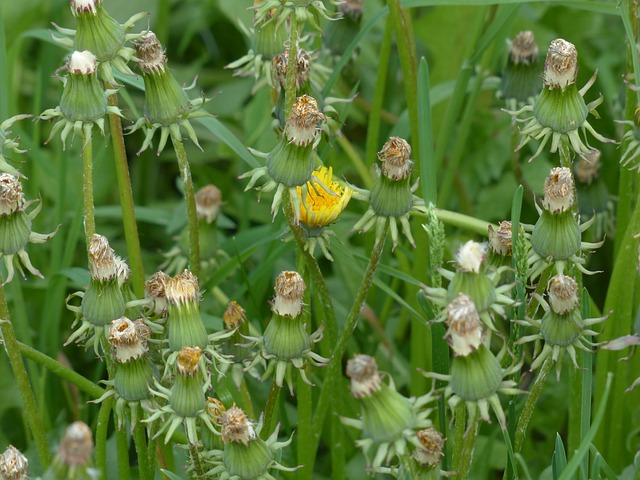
x=330, y=384
x=530, y=404
x=126, y=201
x=190, y=199
x=87, y=190
x=31, y=410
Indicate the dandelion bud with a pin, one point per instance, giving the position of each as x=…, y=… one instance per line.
x=83, y=97
x=563, y=294
x=269, y=39
x=558, y=190
x=208, y=201
x=465, y=328
x=234, y=316
x=521, y=77
x=500, y=240
x=431, y=449
x=587, y=167
x=97, y=31
x=15, y=224
x=471, y=256
x=184, y=321
x=76, y=446
x=13, y=464
x=364, y=375
x=470, y=277
x=11, y=196
x=289, y=291
x=187, y=396
x=396, y=158
x=154, y=289
x=301, y=127
x=391, y=195
x=561, y=64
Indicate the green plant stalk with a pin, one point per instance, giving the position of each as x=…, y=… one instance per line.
x=403, y=28
x=140, y=442
x=292, y=66
x=331, y=383
x=460, y=220
x=87, y=190
x=247, y=404
x=31, y=410
x=270, y=409
x=466, y=455
x=530, y=403
x=122, y=447
x=101, y=435
x=126, y=202
x=190, y=199
x=458, y=434
x=374, y=119
x=61, y=371
x=304, y=427
x=198, y=470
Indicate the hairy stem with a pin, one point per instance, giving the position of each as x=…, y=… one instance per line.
x=269, y=409
x=101, y=435
x=87, y=190
x=530, y=404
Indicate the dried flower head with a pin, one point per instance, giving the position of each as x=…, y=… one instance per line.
x=289, y=291
x=500, y=240
x=183, y=288
x=587, y=167
x=302, y=123
x=82, y=63
x=154, y=289
x=76, y=445
x=280, y=63
x=13, y=464
x=236, y=427
x=364, y=375
x=431, y=449
x=11, y=196
x=188, y=361
x=465, y=327
x=561, y=64
x=558, y=190
x=524, y=48
x=208, y=201
x=128, y=339
x=396, y=158
x=563, y=294
x=470, y=256
x=150, y=53
x=234, y=315
x=102, y=259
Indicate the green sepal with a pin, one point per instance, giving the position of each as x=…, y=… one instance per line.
x=385, y=415
x=83, y=98
x=476, y=285
x=556, y=235
x=132, y=379
x=230, y=345
x=290, y=164
x=15, y=229
x=185, y=327
x=165, y=101
x=562, y=110
x=561, y=330
x=521, y=81
x=286, y=337
x=476, y=376
x=338, y=35
x=103, y=302
x=99, y=33
x=247, y=462
x=187, y=398
x=391, y=198
x=269, y=40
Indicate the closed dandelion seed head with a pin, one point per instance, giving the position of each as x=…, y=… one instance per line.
x=352, y=7
x=154, y=289
x=431, y=449
x=13, y=464
x=280, y=64
x=150, y=53
x=301, y=127
x=82, y=63
x=234, y=315
x=558, y=190
x=561, y=64
x=396, y=158
x=470, y=256
x=128, y=339
x=216, y=409
x=500, y=239
x=123, y=272
x=563, y=294
x=236, y=427
x=289, y=291
x=183, y=288
x=76, y=445
x=587, y=167
x=188, y=361
x=364, y=375
x=465, y=327
x=208, y=201
x=11, y=196
x=84, y=6
x=102, y=259
x=524, y=48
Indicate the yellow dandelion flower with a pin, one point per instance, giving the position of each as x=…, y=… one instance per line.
x=324, y=199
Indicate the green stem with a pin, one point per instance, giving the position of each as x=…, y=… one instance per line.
x=269, y=409
x=530, y=404
x=333, y=368
x=466, y=456
x=87, y=191
x=126, y=202
x=246, y=399
x=198, y=470
x=140, y=441
x=292, y=67
x=304, y=428
x=101, y=435
x=61, y=371
x=32, y=412
x=190, y=198
x=122, y=446
x=458, y=435
x=461, y=221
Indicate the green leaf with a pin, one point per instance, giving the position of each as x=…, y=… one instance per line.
x=427, y=159
x=170, y=475
x=559, y=460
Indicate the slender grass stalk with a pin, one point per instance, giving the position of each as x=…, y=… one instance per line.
x=270, y=409
x=102, y=430
x=32, y=412
x=466, y=455
x=333, y=368
x=530, y=403
x=126, y=202
x=87, y=190
x=140, y=442
x=122, y=446
x=190, y=199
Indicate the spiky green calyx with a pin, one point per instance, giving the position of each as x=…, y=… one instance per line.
x=83, y=97
x=476, y=376
x=96, y=30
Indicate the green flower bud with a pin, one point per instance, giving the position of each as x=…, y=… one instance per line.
x=562, y=324
x=268, y=38
x=386, y=414
x=13, y=464
x=338, y=35
x=187, y=396
x=431, y=449
x=520, y=78
x=154, y=290
x=15, y=224
x=556, y=234
x=470, y=277
x=235, y=320
x=83, y=97
x=391, y=195
x=97, y=31
x=133, y=369
x=245, y=454
x=165, y=101
x=185, y=327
